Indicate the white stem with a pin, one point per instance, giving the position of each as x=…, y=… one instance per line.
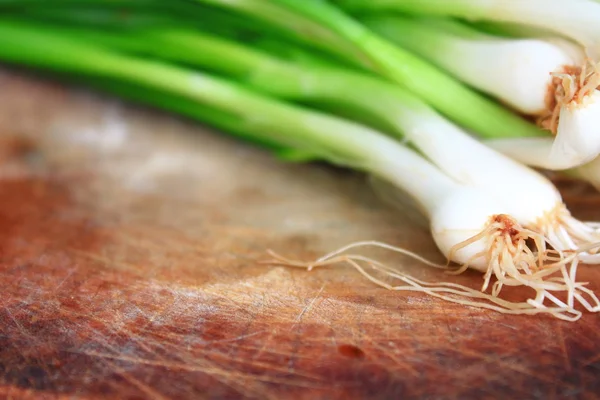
x=514, y=71
x=576, y=144
x=411, y=172
x=562, y=230
x=533, y=151
x=464, y=214
x=575, y=19
x=472, y=163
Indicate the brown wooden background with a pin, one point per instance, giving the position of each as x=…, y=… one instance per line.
x=129, y=242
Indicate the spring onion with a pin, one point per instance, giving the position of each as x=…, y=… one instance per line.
x=469, y=226
x=516, y=71
x=534, y=76
x=575, y=19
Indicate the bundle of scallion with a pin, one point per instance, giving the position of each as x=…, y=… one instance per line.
x=403, y=114
x=313, y=54
x=320, y=25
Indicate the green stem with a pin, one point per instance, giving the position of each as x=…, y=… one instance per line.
x=434, y=7
x=123, y=15
x=510, y=30
x=468, y=108
x=346, y=92
x=418, y=36
x=304, y=30
x=338, y=141
x=183, y=106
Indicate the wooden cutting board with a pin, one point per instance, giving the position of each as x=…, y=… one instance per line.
x=130, y=249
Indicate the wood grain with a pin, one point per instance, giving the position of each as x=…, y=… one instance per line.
x=130, y=249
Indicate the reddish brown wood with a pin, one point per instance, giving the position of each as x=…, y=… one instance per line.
x=128, y=270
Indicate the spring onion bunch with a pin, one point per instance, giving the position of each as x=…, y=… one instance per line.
x=325, y=27
x=406, y=115
x=485, y=237
x=283, y=94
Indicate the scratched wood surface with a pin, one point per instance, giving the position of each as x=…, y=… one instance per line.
x=130, y=249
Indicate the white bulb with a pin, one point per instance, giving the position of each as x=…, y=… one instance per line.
x=464, y=214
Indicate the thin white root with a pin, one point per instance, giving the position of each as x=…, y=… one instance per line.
x=566, y=233
x=385, y=246
x=510, y=261
x=447, y=291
